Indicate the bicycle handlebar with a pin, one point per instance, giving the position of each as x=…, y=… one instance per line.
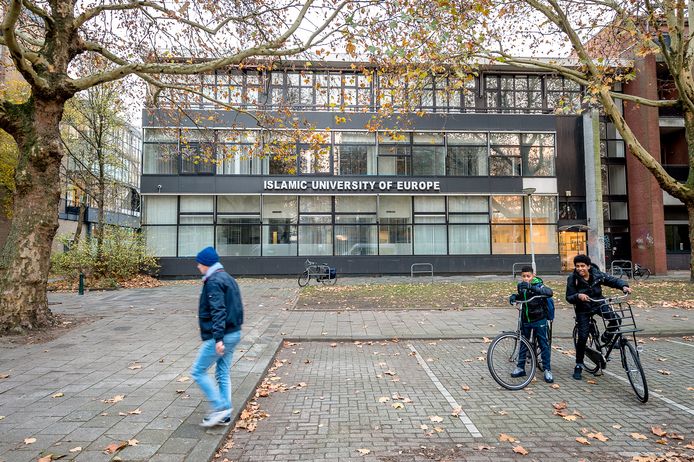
x=607, y=300
x=520, y=302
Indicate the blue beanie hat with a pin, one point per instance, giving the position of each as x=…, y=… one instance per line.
x=207, y=256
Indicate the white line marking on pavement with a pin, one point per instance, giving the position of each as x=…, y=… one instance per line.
x=655, y=395
x=681, y=343
x=446, y=394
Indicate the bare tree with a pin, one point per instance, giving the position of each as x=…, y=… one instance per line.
x=63, y=47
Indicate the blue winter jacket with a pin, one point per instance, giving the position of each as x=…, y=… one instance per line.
x=220, y=311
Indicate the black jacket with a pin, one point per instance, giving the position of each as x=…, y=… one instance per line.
x=575, y=285
x=535, y=310
x=221, y=310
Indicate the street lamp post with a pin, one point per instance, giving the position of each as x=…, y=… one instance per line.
x=529, y=192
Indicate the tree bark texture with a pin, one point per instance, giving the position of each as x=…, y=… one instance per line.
x=25, y=260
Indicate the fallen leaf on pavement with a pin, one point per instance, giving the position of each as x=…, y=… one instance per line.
x=483, y=447
x=383, y=399
x=58, y=395
x=29, y=440
x=115, y=447
x=583, y=440
x=132, y=442
x=559, y=406
x=505, y=437
x=46, y=458
x=554, y=385
x=466, y=388
x=135, y=366
x=398, y=405
x=435, y=418
x=76, y=449
x=617, y=426
x=182, y=379
x=657, y=431
x=424, y=427
x=389, y=372
x=664, y=372
x=598, y=436
x=4, y=376
x=135, y=412
x=661, y=441
x=456, y=411
x=639, y=436
x=520, y=450
x=364, y=451
x=591, y=381
x=114, y=400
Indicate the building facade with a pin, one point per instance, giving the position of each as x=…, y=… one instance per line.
x=443, y=184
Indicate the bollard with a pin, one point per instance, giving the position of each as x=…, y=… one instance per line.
x=80, y=290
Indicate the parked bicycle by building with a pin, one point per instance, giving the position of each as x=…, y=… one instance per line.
x=321, y=272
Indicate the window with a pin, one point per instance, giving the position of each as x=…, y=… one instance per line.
x=614, y=181
x=563, y=95
x=395, y=230
x=507, y=225
x=356, y=232
x=239, y=153
x=354, y=153
x=315, y=230
x=279, y=225
x=611, y=142
x=160, y=155
x=468, y=229
x=428, y=154
x=430, y=225
x=238, y=226
x=466, y=154
x=196, y=228
x=677, y=238
x=314, y=153
x=544, y=216
x=394, y=154
x=159, y=224
x=514, y=93
x=537, y=151
x=197, y=152
x=505, y=154
x=281, y=152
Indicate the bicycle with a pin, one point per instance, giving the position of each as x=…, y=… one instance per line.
x=505, y=349
x=320, y=271
x=638, y=272
x=598, y=353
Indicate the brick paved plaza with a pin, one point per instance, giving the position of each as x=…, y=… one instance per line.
x=65, y=393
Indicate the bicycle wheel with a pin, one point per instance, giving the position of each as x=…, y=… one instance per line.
x=304, y=278
x=327, y=281
x=632, y=366
x=588, y=364
x=502, y=359
x=638, y=274
x=645, y=273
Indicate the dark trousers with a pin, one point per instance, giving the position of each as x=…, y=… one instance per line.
x=540, y=328
x=583, y=323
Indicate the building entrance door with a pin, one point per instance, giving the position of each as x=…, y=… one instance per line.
x=571, y=243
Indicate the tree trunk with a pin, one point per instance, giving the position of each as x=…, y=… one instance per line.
x=80, y=220
x=101, y=194
x=690, y=211
x=25, y=260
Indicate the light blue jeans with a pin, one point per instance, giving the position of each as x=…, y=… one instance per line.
x=219, y=393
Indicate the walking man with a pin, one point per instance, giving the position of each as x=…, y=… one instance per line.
x=220, y=315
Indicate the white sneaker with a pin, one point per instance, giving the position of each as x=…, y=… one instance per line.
x=216, y=418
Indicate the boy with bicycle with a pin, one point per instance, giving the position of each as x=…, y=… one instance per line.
x=583, y=284
x=534, y=315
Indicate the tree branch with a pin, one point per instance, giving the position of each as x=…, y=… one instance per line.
x=17, y=52
x=38, y=11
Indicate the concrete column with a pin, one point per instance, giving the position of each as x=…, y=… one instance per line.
x=646, y=227
x=591, y=147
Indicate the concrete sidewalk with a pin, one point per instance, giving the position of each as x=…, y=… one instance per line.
x=144, y=341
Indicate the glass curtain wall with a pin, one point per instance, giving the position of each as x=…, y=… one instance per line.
x=507, y=225
x=466, y=154
x=354, y=153
x=544, y=216
x=316, y=230
x=160, y=152
x=428, y=154
x=196, y=220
